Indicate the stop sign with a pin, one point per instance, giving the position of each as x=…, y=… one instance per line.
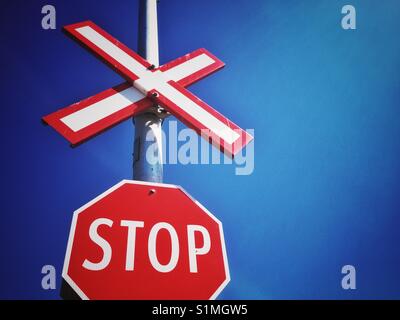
x=141, y=240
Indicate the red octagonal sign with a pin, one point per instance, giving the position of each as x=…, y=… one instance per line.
x=142, y=240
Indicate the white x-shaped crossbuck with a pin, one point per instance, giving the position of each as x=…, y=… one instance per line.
x=145, y=86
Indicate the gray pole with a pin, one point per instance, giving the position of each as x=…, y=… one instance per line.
x=148, y=162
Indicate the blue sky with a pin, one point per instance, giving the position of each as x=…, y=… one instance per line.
x=324, y=106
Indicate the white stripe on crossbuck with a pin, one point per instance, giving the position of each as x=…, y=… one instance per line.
x=188, y=67
x=101, y=109
x=113, y=51
x=82, y=118
x=199, y=113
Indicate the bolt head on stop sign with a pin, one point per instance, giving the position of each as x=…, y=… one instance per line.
x=141, y=240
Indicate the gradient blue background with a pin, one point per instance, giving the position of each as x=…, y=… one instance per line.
x=324, y=104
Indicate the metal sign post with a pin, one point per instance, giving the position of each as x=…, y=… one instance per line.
x=147, y=150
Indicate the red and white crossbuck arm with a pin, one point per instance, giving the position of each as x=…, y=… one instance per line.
x=164, y=85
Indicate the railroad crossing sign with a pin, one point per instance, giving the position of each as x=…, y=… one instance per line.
x=145, y=86
x=141, y=240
